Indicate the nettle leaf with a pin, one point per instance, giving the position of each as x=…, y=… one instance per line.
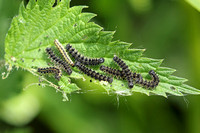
x=39, y=24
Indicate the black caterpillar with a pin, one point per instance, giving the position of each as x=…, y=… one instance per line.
x=118, y=74
x=55, y=70
x=120, y=62
x=155, y=79
x=57, y=60
x=92, y=73
x=147, y=84
x=115, y=72
x=126, y=70
x=81, y=58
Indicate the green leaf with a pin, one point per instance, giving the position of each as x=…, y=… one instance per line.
x=39, y=24
x=195, y=4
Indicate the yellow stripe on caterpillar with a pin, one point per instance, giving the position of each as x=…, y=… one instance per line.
x=64, y=54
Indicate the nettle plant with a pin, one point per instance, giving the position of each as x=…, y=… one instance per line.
x=40, y=23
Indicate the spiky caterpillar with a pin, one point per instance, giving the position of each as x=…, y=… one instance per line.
x=92, y=73
x=55, y=70
x=147, y=84
x=125, y=69
x=119, y=74
x=114, y=72
x=82, y=59
x=63, y=53
x=154, y=82
x=57, y=60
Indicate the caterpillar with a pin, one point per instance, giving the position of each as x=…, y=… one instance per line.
x=92, y=73
x=148, y=84
x=123, y=65
x=115, y=72
x=155, y=78
x=125, y=69
x=64, y=54
x=57, y=60
x=82, y=59
x=118, y=73
x=120, y=62
x=55, y=70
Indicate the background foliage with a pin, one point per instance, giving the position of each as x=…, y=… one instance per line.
x=167, y=29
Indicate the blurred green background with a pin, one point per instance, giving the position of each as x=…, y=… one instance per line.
x=168, y=29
